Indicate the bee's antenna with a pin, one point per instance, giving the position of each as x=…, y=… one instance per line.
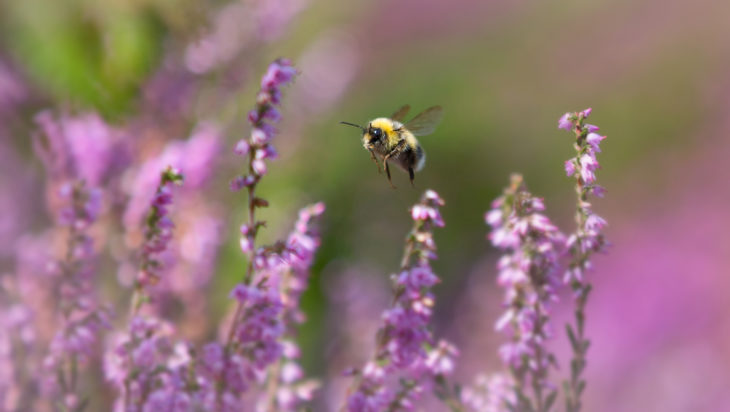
x=354, y=125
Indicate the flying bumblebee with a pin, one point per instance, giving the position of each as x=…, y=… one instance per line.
x=390, y=139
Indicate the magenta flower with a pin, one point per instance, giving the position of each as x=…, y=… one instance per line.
x=82, y=147
x=489, y=394
x=405, y=345
x=158, y=233
x=267, y=299
x=528, y=271
x=258, y=146
x=586, y=240
x=81, y=318
x=138, y=361
x=565, y=123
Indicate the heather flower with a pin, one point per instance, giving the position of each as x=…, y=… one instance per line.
x=81, y=317
x=17, y=353
x=267, y=311
x=147, y=368
x=268, y=297
x=138, y=361
x=158, y=233
x=186, y=265
x=258, y=146
x=491, y=393
x=55, y=286
x=288, y=389
x=565, y=123
x=405, y=344
x=586, y=240
x=81, y=147
x=528, y=274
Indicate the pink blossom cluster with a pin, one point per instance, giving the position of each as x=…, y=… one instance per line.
x=258, y=146
x=185, y=267
x=586, y=240
x=141, y=362
x=147, y=367
x=167, y=256
x=258, y=349
x=489, y=393
x=82, y=318
x=588, y=237
x=405, y=345
x=528, y=272
x=158, y=229
x=267, y=313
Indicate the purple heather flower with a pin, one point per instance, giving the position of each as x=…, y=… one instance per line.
x=594, y=139
x=76, y=152
x=242, y=147
x=78, y=316
x=441, y=359
x=489, y=394
x=570, y=167
x=586, y=240
x=404, y=338
x=528, y=273
x=565, y=123
x=146, y=368
x=258, y=147
x=158, y=233
x=82, y=147
x=293, y=390
x=269, y=305
x=372, y=395
x=591, y=128
x=280, y=72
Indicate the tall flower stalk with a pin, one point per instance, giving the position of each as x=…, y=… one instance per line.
x=528, y=272
x=81, y=316
x=404, y=344
x=258, y=148
x=268, y=295
x=286, y=387
x=582, y=244
x=158, y=233
x=138, y=361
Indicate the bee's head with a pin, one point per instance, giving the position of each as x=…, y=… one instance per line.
x=374, y=134
x=378, y=131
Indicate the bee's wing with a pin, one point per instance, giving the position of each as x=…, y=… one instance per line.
x=425, y=122
x=401, y=113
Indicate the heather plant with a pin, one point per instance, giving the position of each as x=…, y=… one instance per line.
x=528, y=273
x=406, y=355
x=144, y=215
x=586, y=240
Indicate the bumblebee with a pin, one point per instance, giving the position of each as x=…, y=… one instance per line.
x=389, y=139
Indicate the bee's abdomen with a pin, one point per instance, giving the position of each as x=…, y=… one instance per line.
x=420, y=158
x=412, y=157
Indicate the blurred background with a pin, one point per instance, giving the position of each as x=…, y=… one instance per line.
x=159, y=74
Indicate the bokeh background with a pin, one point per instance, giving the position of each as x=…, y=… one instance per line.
x=655, y=72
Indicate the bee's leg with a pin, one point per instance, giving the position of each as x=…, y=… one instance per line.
x=411, y=175
x=394, y=152
x=387, y=172
x=372, y=156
